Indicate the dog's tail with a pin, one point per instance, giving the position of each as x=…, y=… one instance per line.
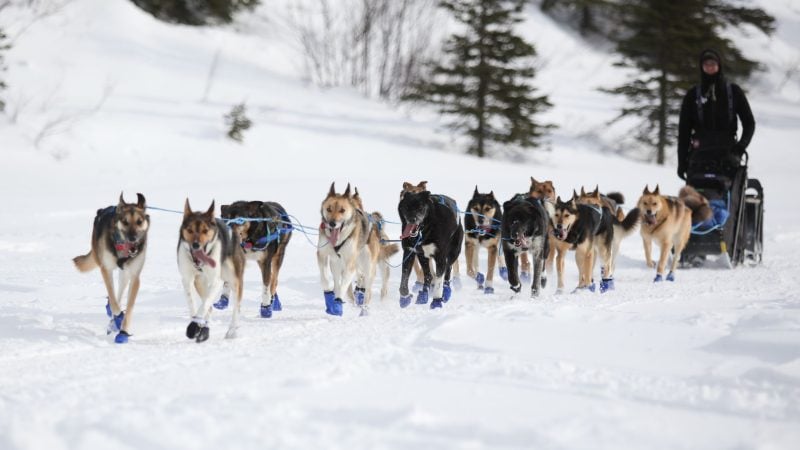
x=387, y=250
x=701, y=209
x=617, y=197
x=86, y=262
x=625, y=226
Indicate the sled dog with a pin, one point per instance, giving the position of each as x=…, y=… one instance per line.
x=264, y=232
x=697, y=202
x=431, y=231
x=482, y=229
x=209, y=255
x=667, y=221
x=119, y=241
x=350, y=249
x=524, y=231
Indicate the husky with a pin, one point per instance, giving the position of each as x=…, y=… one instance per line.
x=376, y=219
x=264, y=232
x=545, y=192
x=668, y=221
x=431, y=231
x=350, y=248
x=119, y=241
x=482, y=229
x=524, y=231
x=209, y=255
x=579, y=227
x=622, y=226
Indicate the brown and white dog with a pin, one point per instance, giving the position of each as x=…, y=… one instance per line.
x=545, y=192
x=209, y=255
x=119, y=241
x=264, y=232
x=349, y=249
x=667, y=221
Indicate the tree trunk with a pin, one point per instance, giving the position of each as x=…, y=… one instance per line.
x=483, y=87
x=663, y=110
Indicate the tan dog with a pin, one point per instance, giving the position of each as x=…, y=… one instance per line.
x=119, y=241
x=668, y=221
x=209, y=256
x=350, y=249
x=546, y=192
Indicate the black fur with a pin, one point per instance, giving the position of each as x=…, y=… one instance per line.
x=592, y=221
x=524, y=229
x=435, y=220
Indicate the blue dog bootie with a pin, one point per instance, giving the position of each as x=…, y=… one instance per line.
x=480, y=279
x=446, y=291
x=276, y=303
x=360, y=296
x=525, y=277
x=436, y=303
x=329, y=296
x=503, y=273
x=606, y=284
x=671, y=276
x=422, y=296
x=337, y=307
x=266, y=311
x=222, y=303
x=658, y=278
x=488, y=290
x=417, y=286
x=405, y=301
x=108, y=308
x=122, y=337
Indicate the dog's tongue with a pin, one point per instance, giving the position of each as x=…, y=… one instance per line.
x=408, y=230
x=201, y=256
x=334, y=236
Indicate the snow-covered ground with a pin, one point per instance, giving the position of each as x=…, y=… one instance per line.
x=105, y=99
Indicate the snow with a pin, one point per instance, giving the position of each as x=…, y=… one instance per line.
x=710, y=361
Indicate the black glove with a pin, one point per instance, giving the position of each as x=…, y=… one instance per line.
x=738, y=149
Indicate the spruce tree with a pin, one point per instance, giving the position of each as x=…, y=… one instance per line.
x=195, y=12
x=483, y=84
x=662, y=40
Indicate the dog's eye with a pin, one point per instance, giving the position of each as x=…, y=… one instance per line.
x=341, y=210
x=125, y=222
x=138, y=221
x=329, y=209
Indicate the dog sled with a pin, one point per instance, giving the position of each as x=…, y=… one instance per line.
x=734, y=233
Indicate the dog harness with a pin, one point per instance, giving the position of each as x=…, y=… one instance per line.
x=262, y=243
x=125, y=249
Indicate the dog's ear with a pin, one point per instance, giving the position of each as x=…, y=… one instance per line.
x=423, y=185
x=646, y=190
x=533, y=183
x=121, y=200
x=475, y=194
x=491, y=194
x=332, y=191
x=210, y=212
x=596, y=192
x=656, y=191
x=355, y=193
x=223, y=211
x=347, y=191
x=558, y=200
x=583, y=193
x=140, y=201
x=575, y=194
x=187, y=210
x=407, y=185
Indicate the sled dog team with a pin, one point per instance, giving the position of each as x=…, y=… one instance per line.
x=527, y=237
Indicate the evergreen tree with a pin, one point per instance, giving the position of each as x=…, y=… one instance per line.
x=3, y=47
x=582, y=14
x=195, y=12
x=663, y=40
x=483, y=82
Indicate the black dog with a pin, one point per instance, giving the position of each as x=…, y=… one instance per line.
x=431, y=229
x=264, y=240
x=524, y=229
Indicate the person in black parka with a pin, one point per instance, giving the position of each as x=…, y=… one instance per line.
x=708, y=120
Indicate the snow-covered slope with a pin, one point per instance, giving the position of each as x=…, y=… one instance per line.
x=106, y=99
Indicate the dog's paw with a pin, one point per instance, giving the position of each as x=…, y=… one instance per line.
x=447, y=292
x=525, y=277
x=658, y=278
x=422, y=297
x=671, y=276
x=202, y=335
x=276, y=303
x=266, y=311
x=480, y=279
x=503, y=271
x=337, y=307
x=606, y=284
x=115, y=324
x=488, y=290
x=108, y=308
x=329, y=297
x=544, y=282
x=192, y=329
x=516, y=288
x=436, y=303
x=651, y=264
x=122, y=337
x=232, y=333
x=222, y=303
x=405, y=301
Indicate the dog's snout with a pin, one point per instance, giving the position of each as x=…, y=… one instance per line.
x=332, y=224
x=132, y=237
x=195, y=245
